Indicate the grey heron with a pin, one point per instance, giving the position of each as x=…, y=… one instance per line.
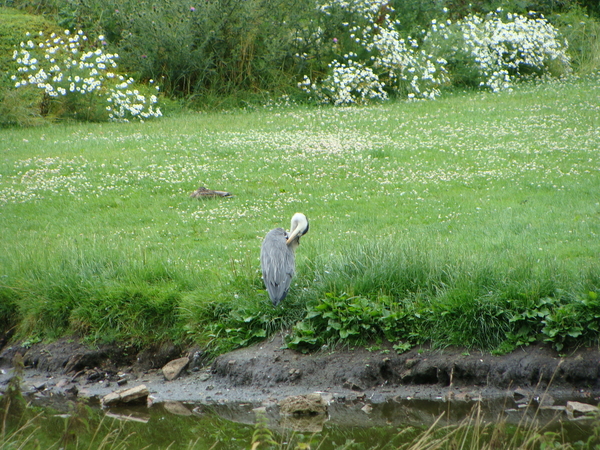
x=277, y=259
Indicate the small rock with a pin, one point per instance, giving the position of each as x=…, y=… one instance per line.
x=172, y=369
x=72, y=391
x=137, y=394
x=204, y=377
x=196, y=358
x=410, y=363
x=177, y=408
x=521, y=395
x=311, y=404
x=367, y=409
x=62, y=383
x=378, y=399
x=576, y=409
x=294, y=374
x=349, y=384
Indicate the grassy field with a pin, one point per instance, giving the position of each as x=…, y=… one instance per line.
x=470, y=220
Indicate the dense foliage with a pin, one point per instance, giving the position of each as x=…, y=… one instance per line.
x=231, y=53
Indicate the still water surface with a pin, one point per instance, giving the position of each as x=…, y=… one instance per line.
x=175, y=425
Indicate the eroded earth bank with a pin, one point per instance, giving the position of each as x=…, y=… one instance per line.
x=267, y=373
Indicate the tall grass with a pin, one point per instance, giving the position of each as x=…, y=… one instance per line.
x=448, y=297
x=477, y=207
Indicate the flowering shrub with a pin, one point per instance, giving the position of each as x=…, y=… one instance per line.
x=500, y=51
x=70, y=66
x=383, y=61
x=350, y=82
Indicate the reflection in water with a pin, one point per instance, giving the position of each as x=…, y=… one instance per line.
x=176, y=425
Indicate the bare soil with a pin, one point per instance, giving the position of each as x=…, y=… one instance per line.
x=268, y=372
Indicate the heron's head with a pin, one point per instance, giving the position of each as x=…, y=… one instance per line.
x=298, y=228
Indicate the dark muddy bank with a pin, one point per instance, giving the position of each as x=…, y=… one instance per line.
x=268, y=373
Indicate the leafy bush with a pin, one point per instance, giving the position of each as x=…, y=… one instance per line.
x=205, y=48
x=233, y=52
x=469, y=321
x=495, y=52
x=583, y=34
x=376, y=60
x=476, y=51
x=224, y=324
x=13, y=26
x=18, y=107
x=69, y=67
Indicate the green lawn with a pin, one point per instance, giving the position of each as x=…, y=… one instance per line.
x=495, y=194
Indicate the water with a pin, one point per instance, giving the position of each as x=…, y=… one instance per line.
x=58, y=423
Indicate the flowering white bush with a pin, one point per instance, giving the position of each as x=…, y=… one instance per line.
x=69, y=65
x=349, y=83
x=126, y=102
x=503, y=50
x=386, y=61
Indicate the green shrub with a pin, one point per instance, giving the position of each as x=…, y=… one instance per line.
x=14, y=25
x=22, y=107
x=205, y=48
x=353, y=321
x=583, y=34
x=499, y=49
x=374, y=61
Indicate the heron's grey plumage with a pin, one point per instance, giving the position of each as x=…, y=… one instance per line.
x=277, y=258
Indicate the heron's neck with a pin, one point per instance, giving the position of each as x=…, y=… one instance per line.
x=294, y=244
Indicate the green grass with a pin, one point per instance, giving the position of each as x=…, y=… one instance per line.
x=470, y=211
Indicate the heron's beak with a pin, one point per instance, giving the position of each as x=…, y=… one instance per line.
x=293, y=235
